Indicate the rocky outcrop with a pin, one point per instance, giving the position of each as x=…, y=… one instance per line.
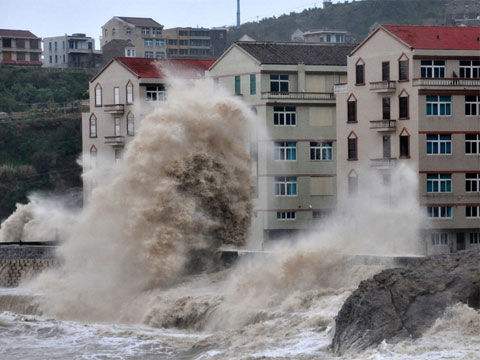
x=403, y=303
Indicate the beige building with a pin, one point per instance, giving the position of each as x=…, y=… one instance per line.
x=413, y=96
x=290, y=88
x=139, y=37
x=195, y=42
x=19, y=47
x=121, y=95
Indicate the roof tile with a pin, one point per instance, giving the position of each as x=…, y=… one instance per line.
x=17, y=34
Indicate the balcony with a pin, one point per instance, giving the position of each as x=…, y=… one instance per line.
x=383, y=125
x=116, y=141
x=340, y=88
x=115, y=109
x=383, y=163
x=446, y=82
x=383, y=86
x=300, y=96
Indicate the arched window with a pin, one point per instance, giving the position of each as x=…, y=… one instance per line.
x=129, y=93
x=352, y=109
x=130, y=124
x=352, y=147
x=98, y=95
x=93, y=126
x=352, y=182
x=360, y=72
x=403, y=106
x=404, y=144
x=93, y=156
x=403, y=68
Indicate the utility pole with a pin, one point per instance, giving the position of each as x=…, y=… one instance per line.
x=238, y=14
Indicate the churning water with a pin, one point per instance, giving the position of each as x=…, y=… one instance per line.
x=129, y=286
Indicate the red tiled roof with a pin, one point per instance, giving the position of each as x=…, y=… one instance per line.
x=17, y=34
x=437, y=37
x=151, y=68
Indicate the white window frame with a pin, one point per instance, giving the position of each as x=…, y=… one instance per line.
x=437, y=104
x=474, y=211
x=473, y=181
x=286, y=186
x=130, y=52
x=439, y=143
x=116, y=95
x=469, y=70
x=282, y=150
x=473, y=107
x=155, y=95
x=286, y=215
x=435, y=69
x=93, y=126
x=439, y=239
x=98, y=95
x=440, y=212
x=145, y=31
x=286, y=116
x=437, y=181
x=472, y=145
x=149, y=54
x=280, y=79
x=474, y=238
x=148, y=42
x=321, y=150
x=129, y=93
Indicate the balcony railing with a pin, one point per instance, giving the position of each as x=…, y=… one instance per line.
x=311, y=96
x=383, y=163
x=117, y=109
x=383, y=125
x=340, y=88
x=383, y=86
x=115, y=140
x=446, y=82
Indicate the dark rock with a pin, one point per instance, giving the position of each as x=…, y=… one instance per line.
x=405, y=302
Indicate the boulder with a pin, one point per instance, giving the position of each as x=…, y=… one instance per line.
x=404, y=302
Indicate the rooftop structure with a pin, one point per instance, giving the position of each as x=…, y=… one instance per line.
x=19, y=47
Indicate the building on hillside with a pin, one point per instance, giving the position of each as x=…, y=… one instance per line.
x=195, y=42
x=70, y=51
x=290, y=88
x=121, y=95
x=413, y=97
x=19, y=47
x=141, y=37
x=323, y=36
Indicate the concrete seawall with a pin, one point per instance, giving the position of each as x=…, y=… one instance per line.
x=21, y=261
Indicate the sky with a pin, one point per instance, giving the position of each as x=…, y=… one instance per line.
x=57, y=17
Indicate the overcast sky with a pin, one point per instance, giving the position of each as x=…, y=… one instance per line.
x=57, y=17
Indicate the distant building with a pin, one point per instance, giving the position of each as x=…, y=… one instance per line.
x=19, y=47
x=195, y=42
x=139, y=37
x=290, y=87
x=70, y=51
x=323, y=36
x=413, y=97
x=121, y=95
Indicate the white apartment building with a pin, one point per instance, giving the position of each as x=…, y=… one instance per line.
x=70, y=51
x=290, y=88
x=413, y=96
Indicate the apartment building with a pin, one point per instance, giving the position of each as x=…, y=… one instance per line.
x=195, y=42
x=413, y=97
x=323, y=36
x=19, y=47
x=121, y=95
x=70, y=51
x=290, y=88
x=142, y=37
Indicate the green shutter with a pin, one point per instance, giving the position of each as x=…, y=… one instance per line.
x=238, y=86
x=253, y=84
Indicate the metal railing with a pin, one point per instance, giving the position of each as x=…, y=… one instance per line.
x=383, y=162
x=446, y=82
x=301, y=95
x=387, y=85
x=383, y=124
x=340, y=88
x=114, y=108
x=115, y=140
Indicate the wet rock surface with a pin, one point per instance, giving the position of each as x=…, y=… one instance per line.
x=404, y=302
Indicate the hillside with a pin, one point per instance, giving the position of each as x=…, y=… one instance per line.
x=358, y=17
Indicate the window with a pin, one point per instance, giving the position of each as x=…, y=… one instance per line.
x=284, y=116
x=320, y=214
x=117, y=155
x=432, y=68
x=49, y=46
x=470, y=69
x=285, y=150
x=352, y=183
x=472, y=182
x=130, y=52
x=403, y=107
x=116, y=95
x=286, y=215
x=148, y=42
x=360, y=74
x=93, y=126
x=439, y=239
x=56, y=59
x=56, y=46
x=352, y=147
x=472, y=105
x=93, y=156
x=63, y=58
x=474, y=238
x=117, y=126
x=98, y=95
x=145, y=31
x=403, y=70
x=439, y=105
x=285, y=185
x=50, y=59
x=20, y=56
x=352, y=110
x=472, y=212
x=279, y=83
x=129, y=93
x=439, y=183
x=149, y=54
x=472, y=144
x=439, y=212
x=404, y=146
x=386, y=108
x=439, y=144
x=253, y=84
x=159, y=55
x=155, y=92
x=238, y=85
x=321, y=151
x=130, y=124
x=159, y=42
x=386, y=71
x=35, y=57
